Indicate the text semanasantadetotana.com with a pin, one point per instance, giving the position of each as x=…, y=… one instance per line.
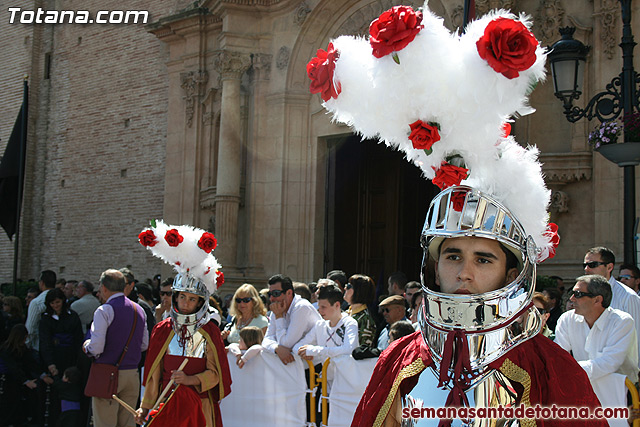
x=41, y=16
x=509, y=412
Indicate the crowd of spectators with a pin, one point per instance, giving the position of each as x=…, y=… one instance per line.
x=42, y=364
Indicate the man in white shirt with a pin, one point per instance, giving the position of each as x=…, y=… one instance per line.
x=601, y=339
x=600, y=260
x=335, y=335
x=36, y=308
x=290, y=319
x=630, y=276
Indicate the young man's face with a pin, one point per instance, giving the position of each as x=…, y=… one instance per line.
x=472, y=265
x=327, y=310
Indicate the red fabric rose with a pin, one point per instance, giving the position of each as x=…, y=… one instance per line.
x=220, y=278
x=173, y=238
x=207, y=242
x=506, y=129
x=320, y=70
x=508, y=47
x=457, y=199
x=449, y=175
x=147, y=238
x=394, y=30
x=423, y=135
x=554, y=238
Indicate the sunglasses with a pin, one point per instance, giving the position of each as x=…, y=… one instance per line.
x=384, y=310
x=165, y=293
x=348, y=286
x=277, y=293
x=626, y=277
x=580, y=294
x=245, y=300
x=593, y=264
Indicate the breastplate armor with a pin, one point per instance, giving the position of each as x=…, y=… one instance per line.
x=194, y=347
x=492, y=390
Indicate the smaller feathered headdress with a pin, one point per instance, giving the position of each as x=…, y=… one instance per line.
x=187, y=249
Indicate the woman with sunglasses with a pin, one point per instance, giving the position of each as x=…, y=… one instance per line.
x=247, y=309
x=359, y=292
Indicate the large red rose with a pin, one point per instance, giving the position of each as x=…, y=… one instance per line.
x=423, y=135
x=449, y=175
x=147, y=238
x=457, y=199
x=394, y=30
x=207, y=242
x=173, y=238
x=320, y=70
x=508, y=47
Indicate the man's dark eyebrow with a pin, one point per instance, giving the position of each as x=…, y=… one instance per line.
x=451, y=250
x=486, y=255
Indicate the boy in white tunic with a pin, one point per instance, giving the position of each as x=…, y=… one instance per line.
x=335, y=335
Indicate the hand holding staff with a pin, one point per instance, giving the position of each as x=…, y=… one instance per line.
x=168, y=387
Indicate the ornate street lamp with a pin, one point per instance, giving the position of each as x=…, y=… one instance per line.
x=567, y=59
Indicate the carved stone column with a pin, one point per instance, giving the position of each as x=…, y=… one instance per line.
x=231, y=66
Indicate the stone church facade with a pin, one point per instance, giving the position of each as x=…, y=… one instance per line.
x=203, y=116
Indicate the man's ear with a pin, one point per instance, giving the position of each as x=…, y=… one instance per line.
x=610, y=268
x=511, y=275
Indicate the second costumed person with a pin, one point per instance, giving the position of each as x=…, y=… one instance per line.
x=187, y=336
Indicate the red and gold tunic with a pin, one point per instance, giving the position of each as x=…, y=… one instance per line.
x=541, y=372
x=212, y=371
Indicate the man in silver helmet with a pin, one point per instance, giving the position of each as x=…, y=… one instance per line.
x=479, y=329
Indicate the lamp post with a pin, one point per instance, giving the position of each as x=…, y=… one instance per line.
x=567, y=59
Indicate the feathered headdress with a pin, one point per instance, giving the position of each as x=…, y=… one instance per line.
x=187, y=249
x=445, y=100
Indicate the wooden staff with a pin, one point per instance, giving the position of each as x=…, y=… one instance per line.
x=168, y=387
x=124, y=405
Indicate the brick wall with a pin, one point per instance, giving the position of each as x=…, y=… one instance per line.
x=97, y=142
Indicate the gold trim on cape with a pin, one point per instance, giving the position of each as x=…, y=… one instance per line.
x=519, y=375
x=408, y=371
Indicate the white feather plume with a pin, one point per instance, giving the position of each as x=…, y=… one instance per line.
x=442, y=78
x=187, y=257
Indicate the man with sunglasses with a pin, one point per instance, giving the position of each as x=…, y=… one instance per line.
x=630, y=276
x=290, y=319
x=602, y=340
x=600, y=260
x=393, y=309
x=162, y=309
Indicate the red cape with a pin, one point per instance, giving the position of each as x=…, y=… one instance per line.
x=160, y=338
x=538, y=366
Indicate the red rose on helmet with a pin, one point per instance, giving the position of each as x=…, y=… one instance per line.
x=147, y=238
x=449, y=175
x=554, y=238
x=457, y=200
x=320, y=70
x=220, y=278
x=508, y=47
x=423, y=135
x=173, y=238
x=207, y=242
x=394, y=30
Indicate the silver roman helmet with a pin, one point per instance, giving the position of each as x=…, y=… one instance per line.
x=192, y=322
x=493, y=321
